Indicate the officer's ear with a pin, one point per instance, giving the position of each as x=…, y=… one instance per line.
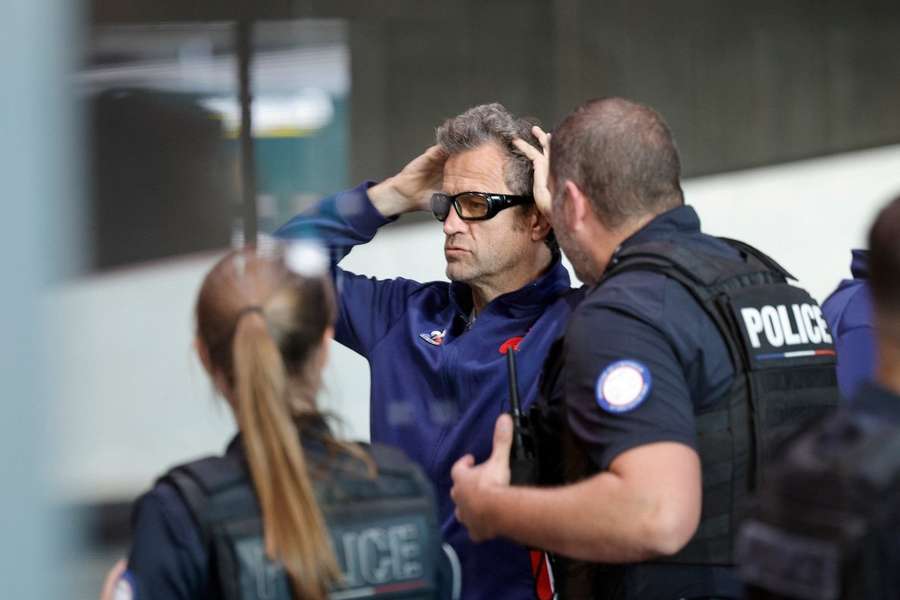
x=576, y=207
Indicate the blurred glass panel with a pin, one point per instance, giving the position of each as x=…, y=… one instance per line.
x=165, y=121
x=301, y=81
x=162, y=176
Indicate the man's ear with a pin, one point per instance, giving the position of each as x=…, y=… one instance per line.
x=575, y=208
x=539, y=225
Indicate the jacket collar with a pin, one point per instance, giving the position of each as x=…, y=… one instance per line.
x=678, y=221
x=529, y=299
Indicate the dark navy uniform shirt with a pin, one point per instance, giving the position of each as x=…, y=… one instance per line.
x=168, y=558
x=641, y=357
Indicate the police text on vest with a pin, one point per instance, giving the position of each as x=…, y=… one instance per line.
x=782, y=325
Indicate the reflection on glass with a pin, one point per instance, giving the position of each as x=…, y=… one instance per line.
x=300, y=80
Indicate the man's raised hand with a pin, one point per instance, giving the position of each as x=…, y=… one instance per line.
x=411, y=188
x=541, y=161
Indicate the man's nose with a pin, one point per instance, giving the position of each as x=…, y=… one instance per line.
x=453, y=224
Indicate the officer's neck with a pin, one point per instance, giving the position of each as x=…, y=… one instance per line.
x=604, y=241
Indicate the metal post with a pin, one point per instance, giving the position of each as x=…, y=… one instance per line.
x=244, y=35
x=40, y=201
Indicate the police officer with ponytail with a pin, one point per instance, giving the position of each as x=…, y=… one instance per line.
x=688, y=360
x=288, y=512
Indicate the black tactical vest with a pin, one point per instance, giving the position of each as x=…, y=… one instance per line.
x=383, y=530
x=827, y=521
x=784, y=363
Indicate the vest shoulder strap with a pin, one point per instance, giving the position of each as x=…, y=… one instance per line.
x=746, y=250
x=200, y=480
x=696, y=267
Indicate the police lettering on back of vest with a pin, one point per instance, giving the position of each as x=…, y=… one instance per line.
x=781, y=325
x=391, y=554
x=377, y=555
x=383, y=531
x=380, y=556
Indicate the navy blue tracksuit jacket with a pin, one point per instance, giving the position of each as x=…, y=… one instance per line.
x=436, y=386
x=848, y=311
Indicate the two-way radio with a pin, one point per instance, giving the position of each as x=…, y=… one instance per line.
x=521, y=456
x=523, y=468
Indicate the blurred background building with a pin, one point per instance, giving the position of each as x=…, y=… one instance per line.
x=785, y=114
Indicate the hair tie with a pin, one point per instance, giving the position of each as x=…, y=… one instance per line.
x=253, y=308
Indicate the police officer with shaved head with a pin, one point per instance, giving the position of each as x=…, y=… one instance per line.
x=827, y=522
x=690, y=357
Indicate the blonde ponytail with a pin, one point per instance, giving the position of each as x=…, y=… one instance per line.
x=295, y=530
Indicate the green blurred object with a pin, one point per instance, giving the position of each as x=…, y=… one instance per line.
x=311, y=165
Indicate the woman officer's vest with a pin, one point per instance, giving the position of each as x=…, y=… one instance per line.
x=383, y=530
x=784, y=364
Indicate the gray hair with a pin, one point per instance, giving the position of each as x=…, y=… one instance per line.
x=493, y=123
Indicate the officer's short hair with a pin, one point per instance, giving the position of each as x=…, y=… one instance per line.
x=621, y=155
x=488, y=123
x=884, y=258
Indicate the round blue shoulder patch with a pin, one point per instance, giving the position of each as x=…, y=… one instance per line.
x=622, y=386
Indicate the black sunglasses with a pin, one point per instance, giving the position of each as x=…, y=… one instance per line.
x=474, y=206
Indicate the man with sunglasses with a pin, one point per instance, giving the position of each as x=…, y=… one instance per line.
x=439, y=379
